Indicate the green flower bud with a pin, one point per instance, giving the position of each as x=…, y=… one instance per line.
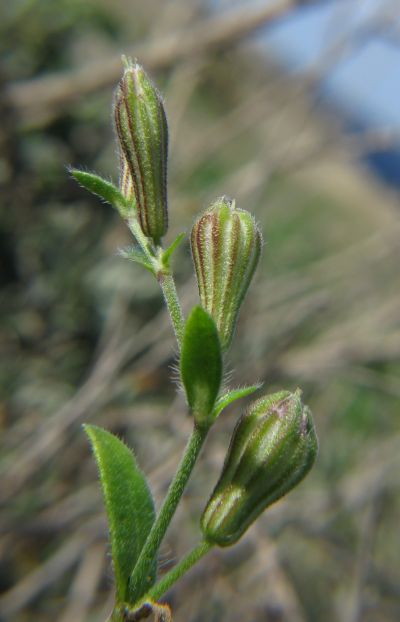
x=142, y=133
x=273, y=447
x=226, y=244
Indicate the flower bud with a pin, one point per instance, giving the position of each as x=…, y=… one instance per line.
x=273, y=447
x=142, y=133
x=226, y=244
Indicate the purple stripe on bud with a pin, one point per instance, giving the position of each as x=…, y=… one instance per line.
x=142, y=133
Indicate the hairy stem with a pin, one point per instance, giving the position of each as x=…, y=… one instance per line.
x=165, y=279
x=179, y=570
x=139, y=576
x=167, y=285
x=143, y=241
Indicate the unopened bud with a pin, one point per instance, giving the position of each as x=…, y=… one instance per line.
x=226, y=244
x=273, y=447
x=143, y=139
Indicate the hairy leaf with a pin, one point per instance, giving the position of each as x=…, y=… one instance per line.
x=201, y=364
x=128, y=501
x=136, y=254
x=104, y=189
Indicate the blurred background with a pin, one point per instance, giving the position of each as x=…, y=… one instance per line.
x=292, y=108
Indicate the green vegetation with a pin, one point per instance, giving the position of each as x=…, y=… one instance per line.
x=85, y=338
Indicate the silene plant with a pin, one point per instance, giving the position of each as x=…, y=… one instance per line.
x=274, y=444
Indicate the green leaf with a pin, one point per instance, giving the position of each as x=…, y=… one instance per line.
x=167, y=254
x=104, y=189
x=135, y=253
x=201, y=364
x=233, y=395
x=128, y=501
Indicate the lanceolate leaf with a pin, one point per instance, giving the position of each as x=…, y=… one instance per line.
x=232, y=396
x=201, y=364
x=136, y=254
x=104, y=189
x=128, y=501
x=167, y=254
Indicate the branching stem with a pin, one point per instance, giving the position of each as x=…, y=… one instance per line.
x=164, y=277
x=142, y=240
x=179, y=570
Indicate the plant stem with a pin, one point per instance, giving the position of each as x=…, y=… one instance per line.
x=165, y=279
x=178, y=571
x=141, y=239
x=167, y=285
x=139, y=576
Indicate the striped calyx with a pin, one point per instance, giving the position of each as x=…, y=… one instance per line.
x=126, y=182
x=226, y=244
x=273, y=447
x=142, y=133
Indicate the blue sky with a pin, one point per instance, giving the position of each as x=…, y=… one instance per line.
x=365, y=82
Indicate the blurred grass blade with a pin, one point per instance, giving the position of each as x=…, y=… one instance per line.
x=232, y=396
x=201, y=364
x=128, y=501
x=104, y=189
